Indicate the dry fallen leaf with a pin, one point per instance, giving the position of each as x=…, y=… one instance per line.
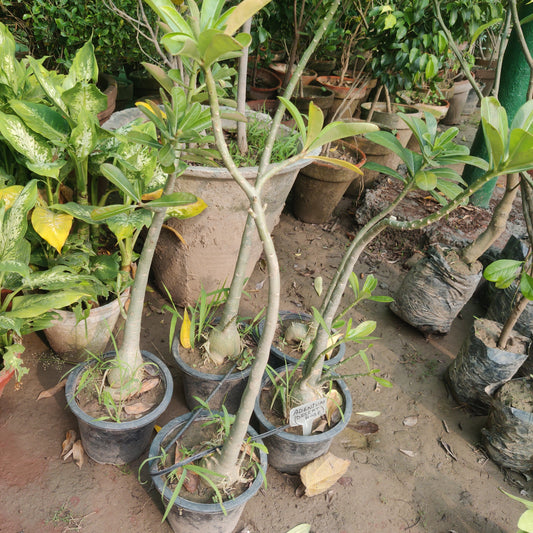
x=149, y=384
x=410, y=421
x=365, y=427
x=346, y=481
x=78, y=454
x=52, y=391
x=70, y=439
x=192, y=480
x=409, y=453
x=137, y=408
x=319, y=475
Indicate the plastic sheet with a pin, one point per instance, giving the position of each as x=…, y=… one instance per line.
x=479, y=369
x=508, y=436
x=433, y=292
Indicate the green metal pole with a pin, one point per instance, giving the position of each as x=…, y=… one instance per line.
x=512, y=94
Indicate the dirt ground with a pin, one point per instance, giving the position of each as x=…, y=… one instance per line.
x=423, y=471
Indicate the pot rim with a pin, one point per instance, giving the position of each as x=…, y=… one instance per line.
x=319, y=437
x=149, y=418
x=207, y=508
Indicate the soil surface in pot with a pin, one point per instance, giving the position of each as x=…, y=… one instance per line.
x=515, y=344
x=273, y=410
x=140, y=404
x=518, y=393
x=400, y=479
x=201, y=436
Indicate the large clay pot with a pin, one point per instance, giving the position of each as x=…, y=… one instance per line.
x=211, y=241
x=264, y=85
x=375, y=152
x=457, y=102
x=109, y=87
x=321, y=97
x=320, y=186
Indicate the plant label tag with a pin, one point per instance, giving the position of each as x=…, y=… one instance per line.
x=303, y=415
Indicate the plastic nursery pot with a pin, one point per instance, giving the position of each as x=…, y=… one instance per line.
x=72, y=340
x=481, y=367
x=288, y=452
x=508, y=436
x=192, y=517
x=117, y=442
x=202, y=384
x=278, y=357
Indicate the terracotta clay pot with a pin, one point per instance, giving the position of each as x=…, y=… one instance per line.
x=109, y=87
x=320, y=186
x=264, y=85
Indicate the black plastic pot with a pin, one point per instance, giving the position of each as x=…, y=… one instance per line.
x=112, y=442
x=193, y=517
x=508, y=435
x=278, y=357
x=288, y=452
x=479, y=369
x=201, y=385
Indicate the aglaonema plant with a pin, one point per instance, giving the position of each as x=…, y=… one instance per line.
x=206, y=36
x=510, y=152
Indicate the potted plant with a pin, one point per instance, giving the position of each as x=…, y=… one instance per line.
x=455, y=278
x=51, y=125
x=494, y=352
x=224, y=340
x=27, y=297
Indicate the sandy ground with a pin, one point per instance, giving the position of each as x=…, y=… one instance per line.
x=428, y=476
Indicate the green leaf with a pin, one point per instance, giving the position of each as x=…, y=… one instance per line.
x=42, y=119
x=362, y=330
x=526, y=285
x=33, y=305
x=371, y=165
x=172, y=199
x=525, y=522
x=244, y=10
x=117, y=178
x=425, y=180
x=314, y=124
x=339, y=130
x=28, y=143
x=502, y=272
x=495, y=129
x=84, y=136
x=160, y=76
x=124, y=225
x=84, y=67
x=297, y=116
x=79, y=211
x=102, y=213
x=520, y=156
x=387, y=140
x=432, y=67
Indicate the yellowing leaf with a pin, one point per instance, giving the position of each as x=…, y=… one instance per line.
x=52, y=227
x=318, y=285
x=338, y=162
x=319, y=475
x=187, y=211
x=154, y=195
x=10, y=194
x=333, y=404
x=185, y=338
x=151, y=106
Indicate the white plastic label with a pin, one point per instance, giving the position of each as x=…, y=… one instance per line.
x=303, y=415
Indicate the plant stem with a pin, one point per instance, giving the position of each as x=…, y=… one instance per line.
x=130, y=352
x=497, y=223
x=464, y=65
